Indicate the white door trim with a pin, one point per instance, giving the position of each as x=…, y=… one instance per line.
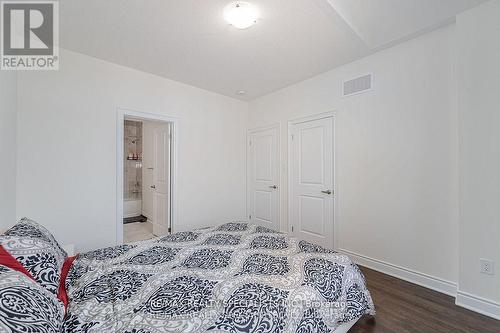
x=120, y=120
x=276, y=126
x=294, y=121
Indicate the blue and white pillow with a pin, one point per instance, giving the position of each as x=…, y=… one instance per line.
x=27, y=307
x=27, y=228
x=37, y=250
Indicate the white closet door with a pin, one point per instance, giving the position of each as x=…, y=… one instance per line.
x=263, y=177
x=311, y=188
x=161, y=180
x=147, y=169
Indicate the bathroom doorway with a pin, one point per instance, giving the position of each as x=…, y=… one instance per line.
x=145, y=168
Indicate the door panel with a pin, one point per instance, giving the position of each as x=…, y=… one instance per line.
x=161, y=147
x=311, y=219
x=311, y=174
x=263, y=177
x=161, y=214
x=263, y=206
x=263, y=157
x=161, y=179
x=311, y=155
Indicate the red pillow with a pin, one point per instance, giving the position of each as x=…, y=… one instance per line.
x=61, y=294
x=7, y=260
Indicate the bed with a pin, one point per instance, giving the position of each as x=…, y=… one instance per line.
x=235, y=277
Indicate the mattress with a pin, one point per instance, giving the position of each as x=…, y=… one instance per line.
x=235, y=277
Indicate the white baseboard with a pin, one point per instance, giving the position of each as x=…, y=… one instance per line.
x=471, y=302
x=478, y=304
x=424, y=280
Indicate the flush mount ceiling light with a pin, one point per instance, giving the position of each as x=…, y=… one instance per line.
x=241, y=15
x=241, y=92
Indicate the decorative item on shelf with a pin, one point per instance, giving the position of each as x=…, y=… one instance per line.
x=134, y=157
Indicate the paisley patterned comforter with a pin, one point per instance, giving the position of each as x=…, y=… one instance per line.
x=235, y=277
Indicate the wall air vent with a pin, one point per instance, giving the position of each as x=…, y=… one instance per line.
x=357, y=86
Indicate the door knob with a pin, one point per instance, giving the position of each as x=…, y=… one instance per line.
x=153, y=186
x=327, y=192
x=273, y=187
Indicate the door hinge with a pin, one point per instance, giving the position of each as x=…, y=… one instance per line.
x=250, y=217
x=169, y=229
x=250, y=143
x=292, y=228
x=292, y=137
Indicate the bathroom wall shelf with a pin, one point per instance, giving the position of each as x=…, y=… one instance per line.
x=132, y=186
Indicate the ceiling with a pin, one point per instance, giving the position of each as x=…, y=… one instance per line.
x=189, y=41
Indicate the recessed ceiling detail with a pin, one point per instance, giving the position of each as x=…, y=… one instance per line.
x=382, y=22
x=189, y=40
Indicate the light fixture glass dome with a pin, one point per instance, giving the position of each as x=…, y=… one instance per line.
x=241, y=15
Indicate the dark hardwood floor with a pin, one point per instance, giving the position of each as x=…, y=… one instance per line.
x=403, y=307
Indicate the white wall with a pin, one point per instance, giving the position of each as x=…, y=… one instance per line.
x=8, y=115
x=479, y=113
x=67, y=147
x=396, y=153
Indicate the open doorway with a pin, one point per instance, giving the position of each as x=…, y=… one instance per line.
x=146, y=176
